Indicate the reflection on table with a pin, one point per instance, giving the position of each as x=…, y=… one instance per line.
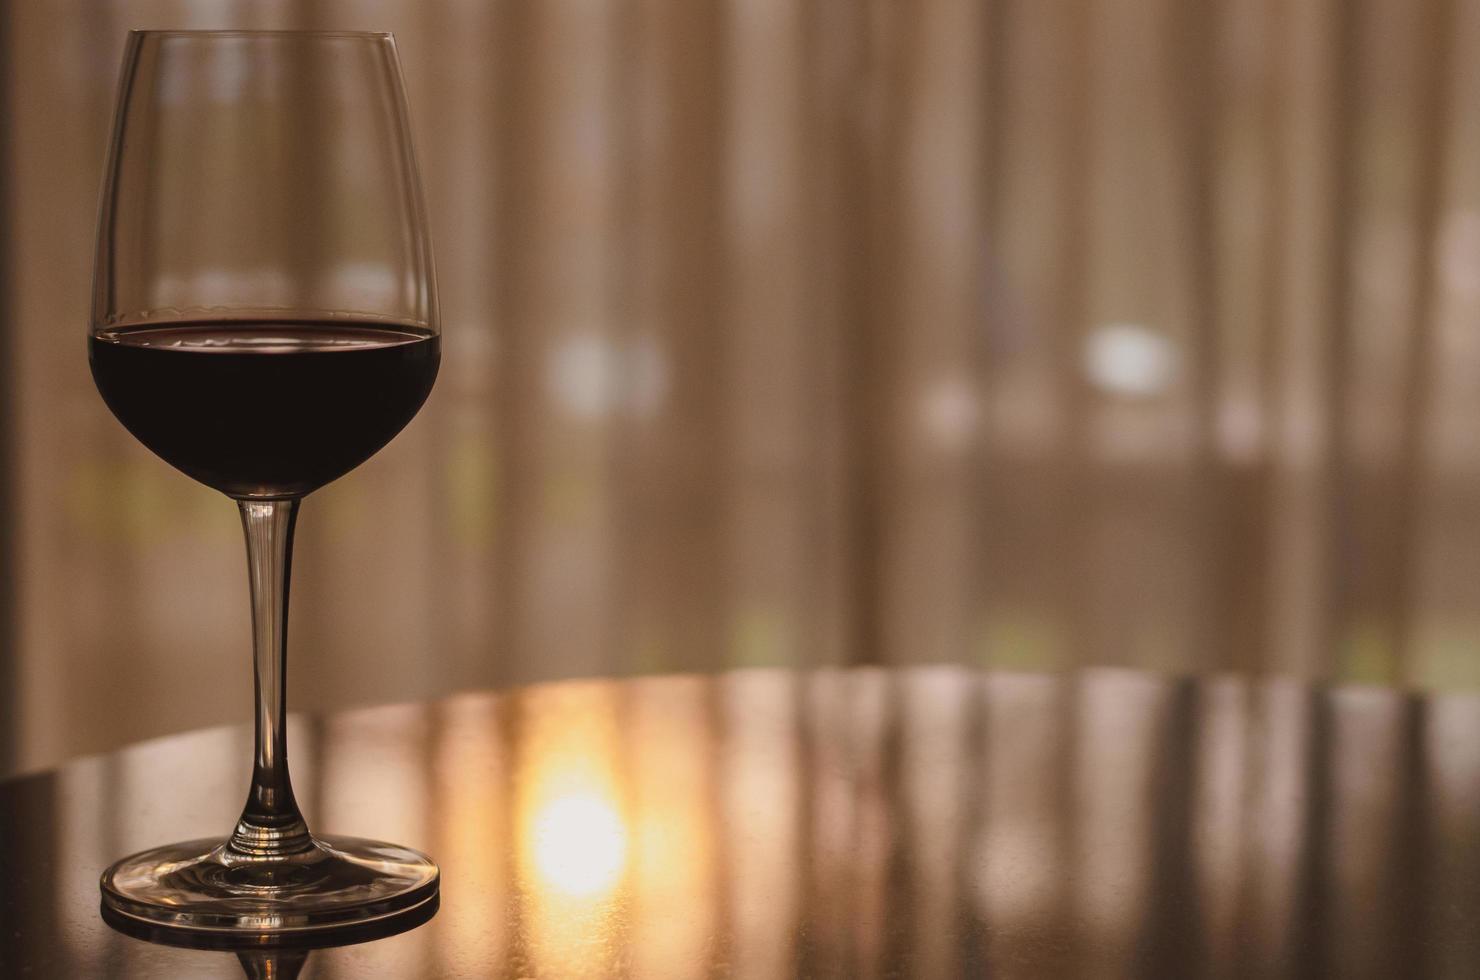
x=924, y=823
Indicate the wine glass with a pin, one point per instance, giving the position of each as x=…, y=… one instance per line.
x=264, y=319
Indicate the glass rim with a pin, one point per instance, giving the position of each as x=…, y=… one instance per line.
x=252, y=32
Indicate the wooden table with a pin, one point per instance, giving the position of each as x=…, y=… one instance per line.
x=934, y=822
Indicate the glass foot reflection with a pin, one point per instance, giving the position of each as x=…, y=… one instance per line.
x=203, y=887
x=282, y=965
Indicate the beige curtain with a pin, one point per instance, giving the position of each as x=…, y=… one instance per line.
x=1028, y=334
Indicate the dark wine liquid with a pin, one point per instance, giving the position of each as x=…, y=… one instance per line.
x=265, y=409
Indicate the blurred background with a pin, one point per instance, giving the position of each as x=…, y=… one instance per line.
x=987, y=332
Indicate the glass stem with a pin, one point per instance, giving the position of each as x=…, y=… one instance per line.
x=270, y=826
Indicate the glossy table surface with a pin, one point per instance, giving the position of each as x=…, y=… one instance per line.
x=935, y=822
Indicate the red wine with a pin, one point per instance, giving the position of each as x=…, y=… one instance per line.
x=265, y=409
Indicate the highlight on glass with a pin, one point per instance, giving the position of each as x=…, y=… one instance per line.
x=264, y=319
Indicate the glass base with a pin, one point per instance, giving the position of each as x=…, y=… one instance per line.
x=203, y=887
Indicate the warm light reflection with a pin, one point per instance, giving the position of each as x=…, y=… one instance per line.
x=572, y=829
x=935, y=706
x=673, y=874
x=471, y=802
x=373, y=781
x=761, y=801
x=580, y=844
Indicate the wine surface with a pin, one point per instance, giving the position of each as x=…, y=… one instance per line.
x=265, y=409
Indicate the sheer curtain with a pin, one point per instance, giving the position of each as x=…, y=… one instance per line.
x=1036, y=335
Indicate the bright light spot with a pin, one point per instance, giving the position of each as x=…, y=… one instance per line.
x=1129, y=359
x=580, y=844
x=582, y=376
x=590, y=376
x=948, y=412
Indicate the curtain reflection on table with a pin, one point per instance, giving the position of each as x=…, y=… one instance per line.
x=937, y=822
